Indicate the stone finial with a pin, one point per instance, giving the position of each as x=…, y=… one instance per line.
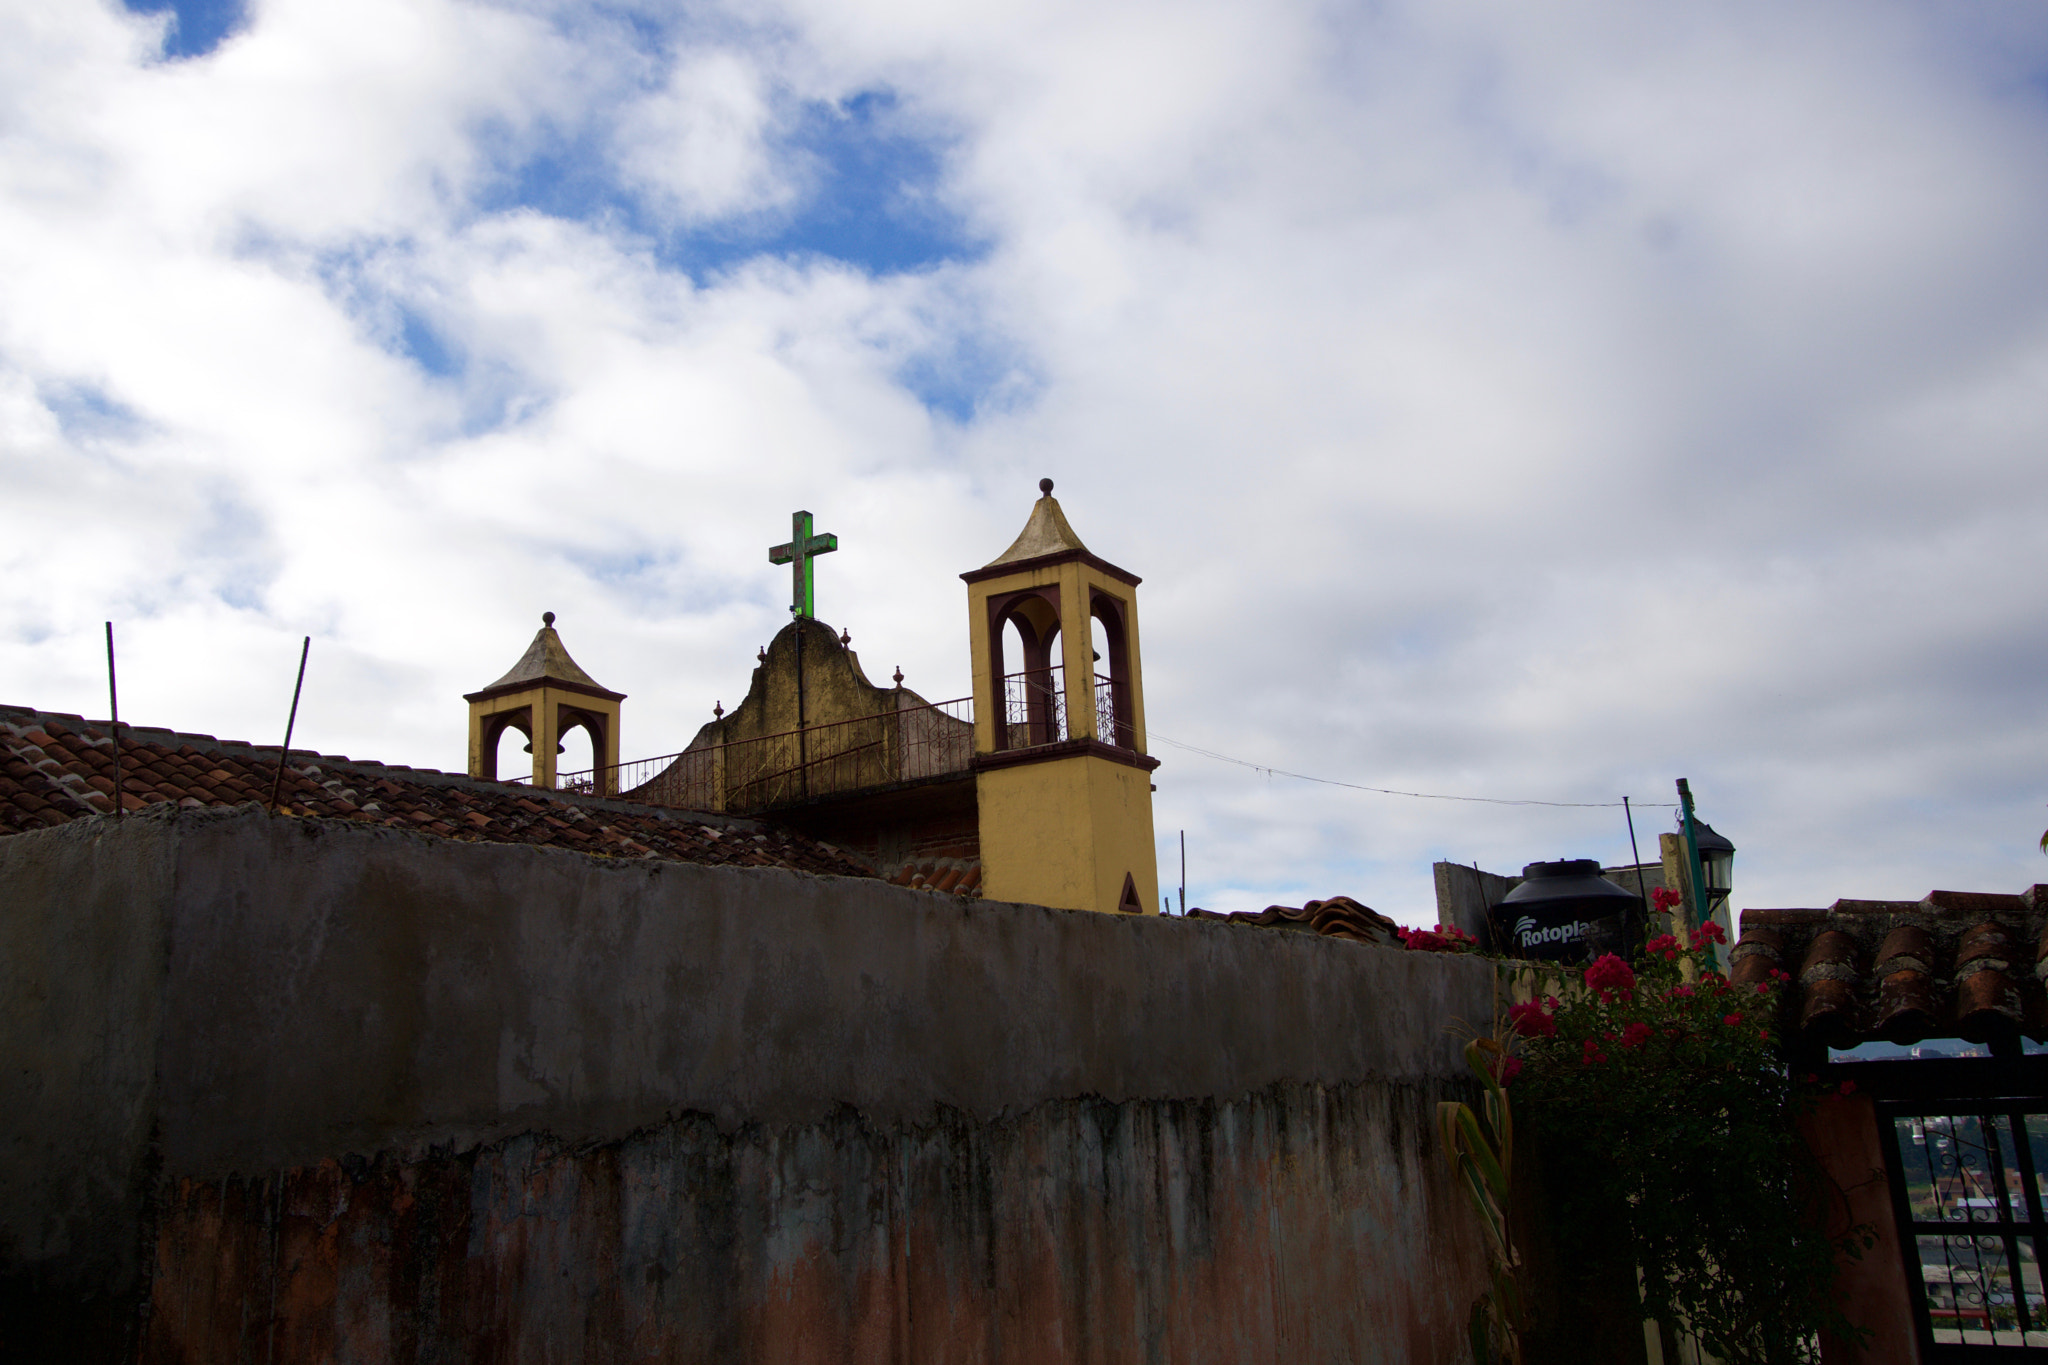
x=718, y=710
x=845, y=636
x=899, y=675
x=1045, y=488
x=547, y=618
x=762, y=656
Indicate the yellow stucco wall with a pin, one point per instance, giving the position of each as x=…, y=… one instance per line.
x=1064, y=832
x=548, y=704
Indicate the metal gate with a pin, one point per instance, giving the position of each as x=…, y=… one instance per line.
x=1967, y=1190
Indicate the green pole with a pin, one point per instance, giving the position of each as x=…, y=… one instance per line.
x=1699, y=876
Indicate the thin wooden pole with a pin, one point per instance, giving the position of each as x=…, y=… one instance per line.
x=292, y=720
x=114, y=718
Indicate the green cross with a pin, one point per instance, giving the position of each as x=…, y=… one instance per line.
x=802, y=548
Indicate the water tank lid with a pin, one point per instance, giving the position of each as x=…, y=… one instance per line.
x=1566, y=879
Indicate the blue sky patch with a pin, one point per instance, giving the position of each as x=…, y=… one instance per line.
x=426, y=349
x=199, y=27
x=876, y=199
x=86, y=412
x=971, y=375
x=873, y=197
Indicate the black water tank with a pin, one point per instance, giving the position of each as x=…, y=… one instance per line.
x=1567, y=912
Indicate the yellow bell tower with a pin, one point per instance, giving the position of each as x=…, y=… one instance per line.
x=1062, y=779
x=544, y=696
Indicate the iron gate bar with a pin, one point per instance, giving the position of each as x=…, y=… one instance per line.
x=2003, y=1228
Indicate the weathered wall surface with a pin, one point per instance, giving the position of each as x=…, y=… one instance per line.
x=408, y=1093
x=83, y=957
x=1296, y=1225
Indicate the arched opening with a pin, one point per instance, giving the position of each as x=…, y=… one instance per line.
x=510, y=760
x=578, y=756
x=1114, y=721
x=1027, y=668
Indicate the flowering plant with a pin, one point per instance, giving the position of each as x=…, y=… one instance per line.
x=1665, y=1117
x=1442, y=939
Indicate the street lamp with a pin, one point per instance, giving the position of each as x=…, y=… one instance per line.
x=1717, y=864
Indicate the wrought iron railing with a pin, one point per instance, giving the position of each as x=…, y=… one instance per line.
x=923, y=740
x=766, y=771
x=1035, y=710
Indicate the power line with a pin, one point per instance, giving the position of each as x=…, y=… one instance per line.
x=1271, y=771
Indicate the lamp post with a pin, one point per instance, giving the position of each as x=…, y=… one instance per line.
x=1712, y=863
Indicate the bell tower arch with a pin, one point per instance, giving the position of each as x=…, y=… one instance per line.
x=1062, y=778
x=544, y=696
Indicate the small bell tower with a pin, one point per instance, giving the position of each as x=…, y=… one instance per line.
x=1062, y=779
x=544, y=696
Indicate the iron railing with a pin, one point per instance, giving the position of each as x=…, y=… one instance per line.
x=766, y=771
x=1035, y=710
x=921, y=740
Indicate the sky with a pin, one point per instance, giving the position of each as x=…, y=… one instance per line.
x=1530, y=403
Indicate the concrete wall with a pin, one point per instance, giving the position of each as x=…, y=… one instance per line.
x=406, y=1093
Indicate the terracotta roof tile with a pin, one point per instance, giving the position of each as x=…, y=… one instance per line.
x=958, y=875
x=55, y=768
x=1961, y=964
x=1337, y=917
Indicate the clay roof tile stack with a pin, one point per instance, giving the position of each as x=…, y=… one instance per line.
x=1337, y=917
x=956, y=876
x=55, y=768
x=1956, y=964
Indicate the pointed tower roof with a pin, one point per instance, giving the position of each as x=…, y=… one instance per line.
x=1046, y=539
x=546, y=663
x=1046, y=533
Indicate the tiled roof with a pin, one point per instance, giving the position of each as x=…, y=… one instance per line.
x=55, y=768
x=1956, y=964
x=1337, y=917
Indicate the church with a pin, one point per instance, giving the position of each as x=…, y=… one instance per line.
x=1037, y=788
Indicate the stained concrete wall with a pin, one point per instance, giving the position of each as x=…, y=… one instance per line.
x=404, y=1090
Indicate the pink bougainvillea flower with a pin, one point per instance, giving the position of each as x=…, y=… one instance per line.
x=1532, y=1021
x=1681, y=991
x=1731, y=1020
x=1636, y=1034
x=1438, y=940
x=1847, y=1088
x=1510, y=1068
x=1612, y=978
x=1709, y=932
x=1664, y=898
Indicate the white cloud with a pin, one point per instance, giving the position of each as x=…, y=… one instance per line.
x=700, y=146
x=1495, y=402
